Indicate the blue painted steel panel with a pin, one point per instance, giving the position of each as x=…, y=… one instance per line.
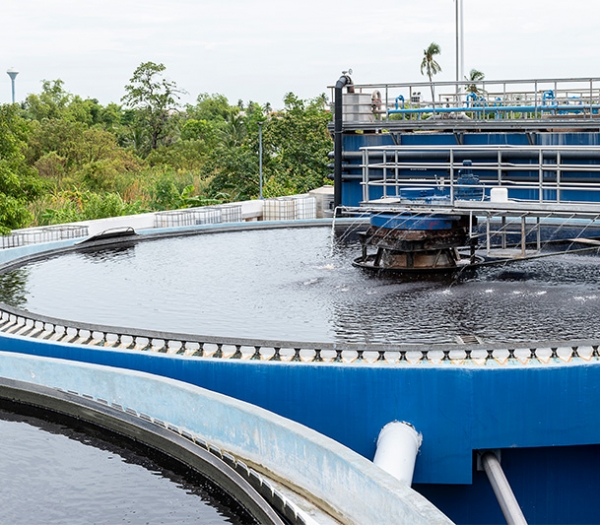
x=553, y=485
x=413, y=222
x=352, y=190
x=458, y=409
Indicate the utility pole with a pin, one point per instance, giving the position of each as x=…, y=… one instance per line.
x=260, y=160
x=460, y=46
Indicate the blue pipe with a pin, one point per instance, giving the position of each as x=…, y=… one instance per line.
x=494, y=109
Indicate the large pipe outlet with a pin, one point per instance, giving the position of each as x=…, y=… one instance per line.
x=337, y=139
x=397, y=448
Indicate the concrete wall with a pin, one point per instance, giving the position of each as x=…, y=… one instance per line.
x=356, y=489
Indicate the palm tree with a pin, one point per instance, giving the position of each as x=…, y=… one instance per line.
x=474, y=77
x=430, y=66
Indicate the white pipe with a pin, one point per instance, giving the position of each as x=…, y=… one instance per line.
x=397, y=448
x=504, y=494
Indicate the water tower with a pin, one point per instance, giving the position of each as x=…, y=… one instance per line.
x=12, y=73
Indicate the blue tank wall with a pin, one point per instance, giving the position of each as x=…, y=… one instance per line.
x=352, y=172
x=458, y=409
x=351, y=176
x=553, y=485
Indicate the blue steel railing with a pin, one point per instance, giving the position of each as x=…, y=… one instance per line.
x=485, y=99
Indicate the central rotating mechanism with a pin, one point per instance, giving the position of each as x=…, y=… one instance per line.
x=407, y=241
x=418, y=243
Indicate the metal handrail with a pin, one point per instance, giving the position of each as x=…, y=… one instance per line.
x=548, y=179
x=571, y=97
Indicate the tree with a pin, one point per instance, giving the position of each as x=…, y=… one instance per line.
x=18, y=184
x=295, y=147
x=153, y=98
x=213, y=108
x=474, y=77
x=430, y=66
x=302, y=143
x=51, y=103
x=54, y=102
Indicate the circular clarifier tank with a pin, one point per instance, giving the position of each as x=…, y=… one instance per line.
x=63, y=471
x=298, y=284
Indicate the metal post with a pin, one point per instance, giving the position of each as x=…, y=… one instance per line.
x=541, y=175
x=591, y=101
x=260, y=161
x=462, y=42
x=460, y=47
x=385, y=182
x=523, y=236
x=457, y=42
x=452, y=176
x=365, y=174
x=558, y=175
x=396, y=173
x=487, y=235
x=387, y=105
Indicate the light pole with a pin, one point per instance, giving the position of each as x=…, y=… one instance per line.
x=12, y=73
x=260, y=156
x=460, y=48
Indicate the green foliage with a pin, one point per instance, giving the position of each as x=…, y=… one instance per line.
x=51, y=103
x=429, y=64
x=474, y=77
x=295, y=144
x=237, y=174
x=166, y=195
x=18, y=184
x=64, y=158
x=153, y=97
x=13, y=213
x=201, y=130
x=75, y=206
x=190, y=200
x=55, y=102
x=212, y=108
x=64, y=150
x=295, y=147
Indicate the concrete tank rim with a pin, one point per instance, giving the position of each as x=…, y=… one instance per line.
x=44, y=370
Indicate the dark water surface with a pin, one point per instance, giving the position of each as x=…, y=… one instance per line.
x=292, y=284
x=54, y=474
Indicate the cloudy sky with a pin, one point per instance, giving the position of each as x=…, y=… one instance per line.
x=261, y=49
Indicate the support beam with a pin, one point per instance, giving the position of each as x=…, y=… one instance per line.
x=504, y=494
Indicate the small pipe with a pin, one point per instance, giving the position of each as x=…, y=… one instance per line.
x=504, y=494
